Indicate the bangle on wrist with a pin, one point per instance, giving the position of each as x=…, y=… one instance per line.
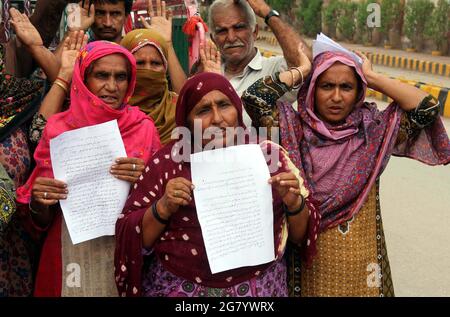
x=61, y=84
x=301, y=74
x=157, y=216
x=63, y=80
x=296, y=211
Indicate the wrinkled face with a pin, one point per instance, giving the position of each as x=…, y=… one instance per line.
x=108, y=79
x=109, y=21
x=148, y=57
x=233, y=35
x=336, y=93
x=216, y=112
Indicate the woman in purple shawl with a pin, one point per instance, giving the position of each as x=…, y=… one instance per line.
x=341, y=145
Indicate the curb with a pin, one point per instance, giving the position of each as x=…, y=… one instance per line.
x=440, y=93
x=436, y=68
x=441, y=69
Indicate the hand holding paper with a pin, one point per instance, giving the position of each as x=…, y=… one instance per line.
x=82, y=158
x=234, y=206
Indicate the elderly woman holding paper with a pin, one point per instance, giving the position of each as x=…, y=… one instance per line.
x=160, y=248
x=103, y=81
x=341, y=144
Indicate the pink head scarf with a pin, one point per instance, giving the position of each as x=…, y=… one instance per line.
x=322, y=64
x=138, y=132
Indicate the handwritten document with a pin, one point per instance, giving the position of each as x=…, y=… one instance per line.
x=82, y=159
x=234, y=206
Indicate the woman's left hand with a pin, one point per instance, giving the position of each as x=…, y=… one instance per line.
x=128, y=169
x=288, y=187
x=366, y=68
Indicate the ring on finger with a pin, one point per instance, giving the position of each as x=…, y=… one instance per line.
x=45, y=195
x=134, y=167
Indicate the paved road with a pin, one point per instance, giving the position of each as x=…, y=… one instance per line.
x=430, y=79
x=415, y=202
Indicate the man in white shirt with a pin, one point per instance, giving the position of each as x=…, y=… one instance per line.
x=234, y=30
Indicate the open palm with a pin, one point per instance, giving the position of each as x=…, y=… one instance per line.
x=210, y=58
x=25, y=31
x=161, y=20
x=81, y=17
x=72, y=45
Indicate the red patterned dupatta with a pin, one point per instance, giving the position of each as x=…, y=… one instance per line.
x=181, y=248
x=341, y=163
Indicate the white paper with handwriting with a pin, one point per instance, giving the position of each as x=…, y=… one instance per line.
x=82, y=159
x=234, y=206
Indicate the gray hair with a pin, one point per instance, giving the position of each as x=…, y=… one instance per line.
x=242, y=5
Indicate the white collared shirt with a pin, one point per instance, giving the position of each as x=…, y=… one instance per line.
x=258, y=68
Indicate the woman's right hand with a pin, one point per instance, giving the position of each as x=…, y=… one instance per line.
x=293, y=76
x=72, y=45
x=178, y=193
x=305, y=63
x=48, y=191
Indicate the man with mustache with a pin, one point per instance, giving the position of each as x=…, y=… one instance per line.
x=110, y=17
x=103, y=18
x=234, y=30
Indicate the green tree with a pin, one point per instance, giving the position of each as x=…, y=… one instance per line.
x=364, y=32
x=309, y=13
x=416, y=15
x=347, y=20
x=439, y=24
x=280, y=5
x=390, y=12
x=330, y=17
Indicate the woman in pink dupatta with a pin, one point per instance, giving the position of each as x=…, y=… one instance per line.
x=103, y=81
x=160, y=249
x=341, y=145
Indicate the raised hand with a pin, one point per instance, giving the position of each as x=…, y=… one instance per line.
x=81, y=17
x=366, y=67
x=25, y=31
x=305, y=63
x=260, y=7
x=296, y=75
x=161, y=21
x=72, y=45
x=210, y=58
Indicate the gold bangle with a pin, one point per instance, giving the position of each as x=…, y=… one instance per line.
x=293, y=78
x=62, y=85
x=301, y=74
